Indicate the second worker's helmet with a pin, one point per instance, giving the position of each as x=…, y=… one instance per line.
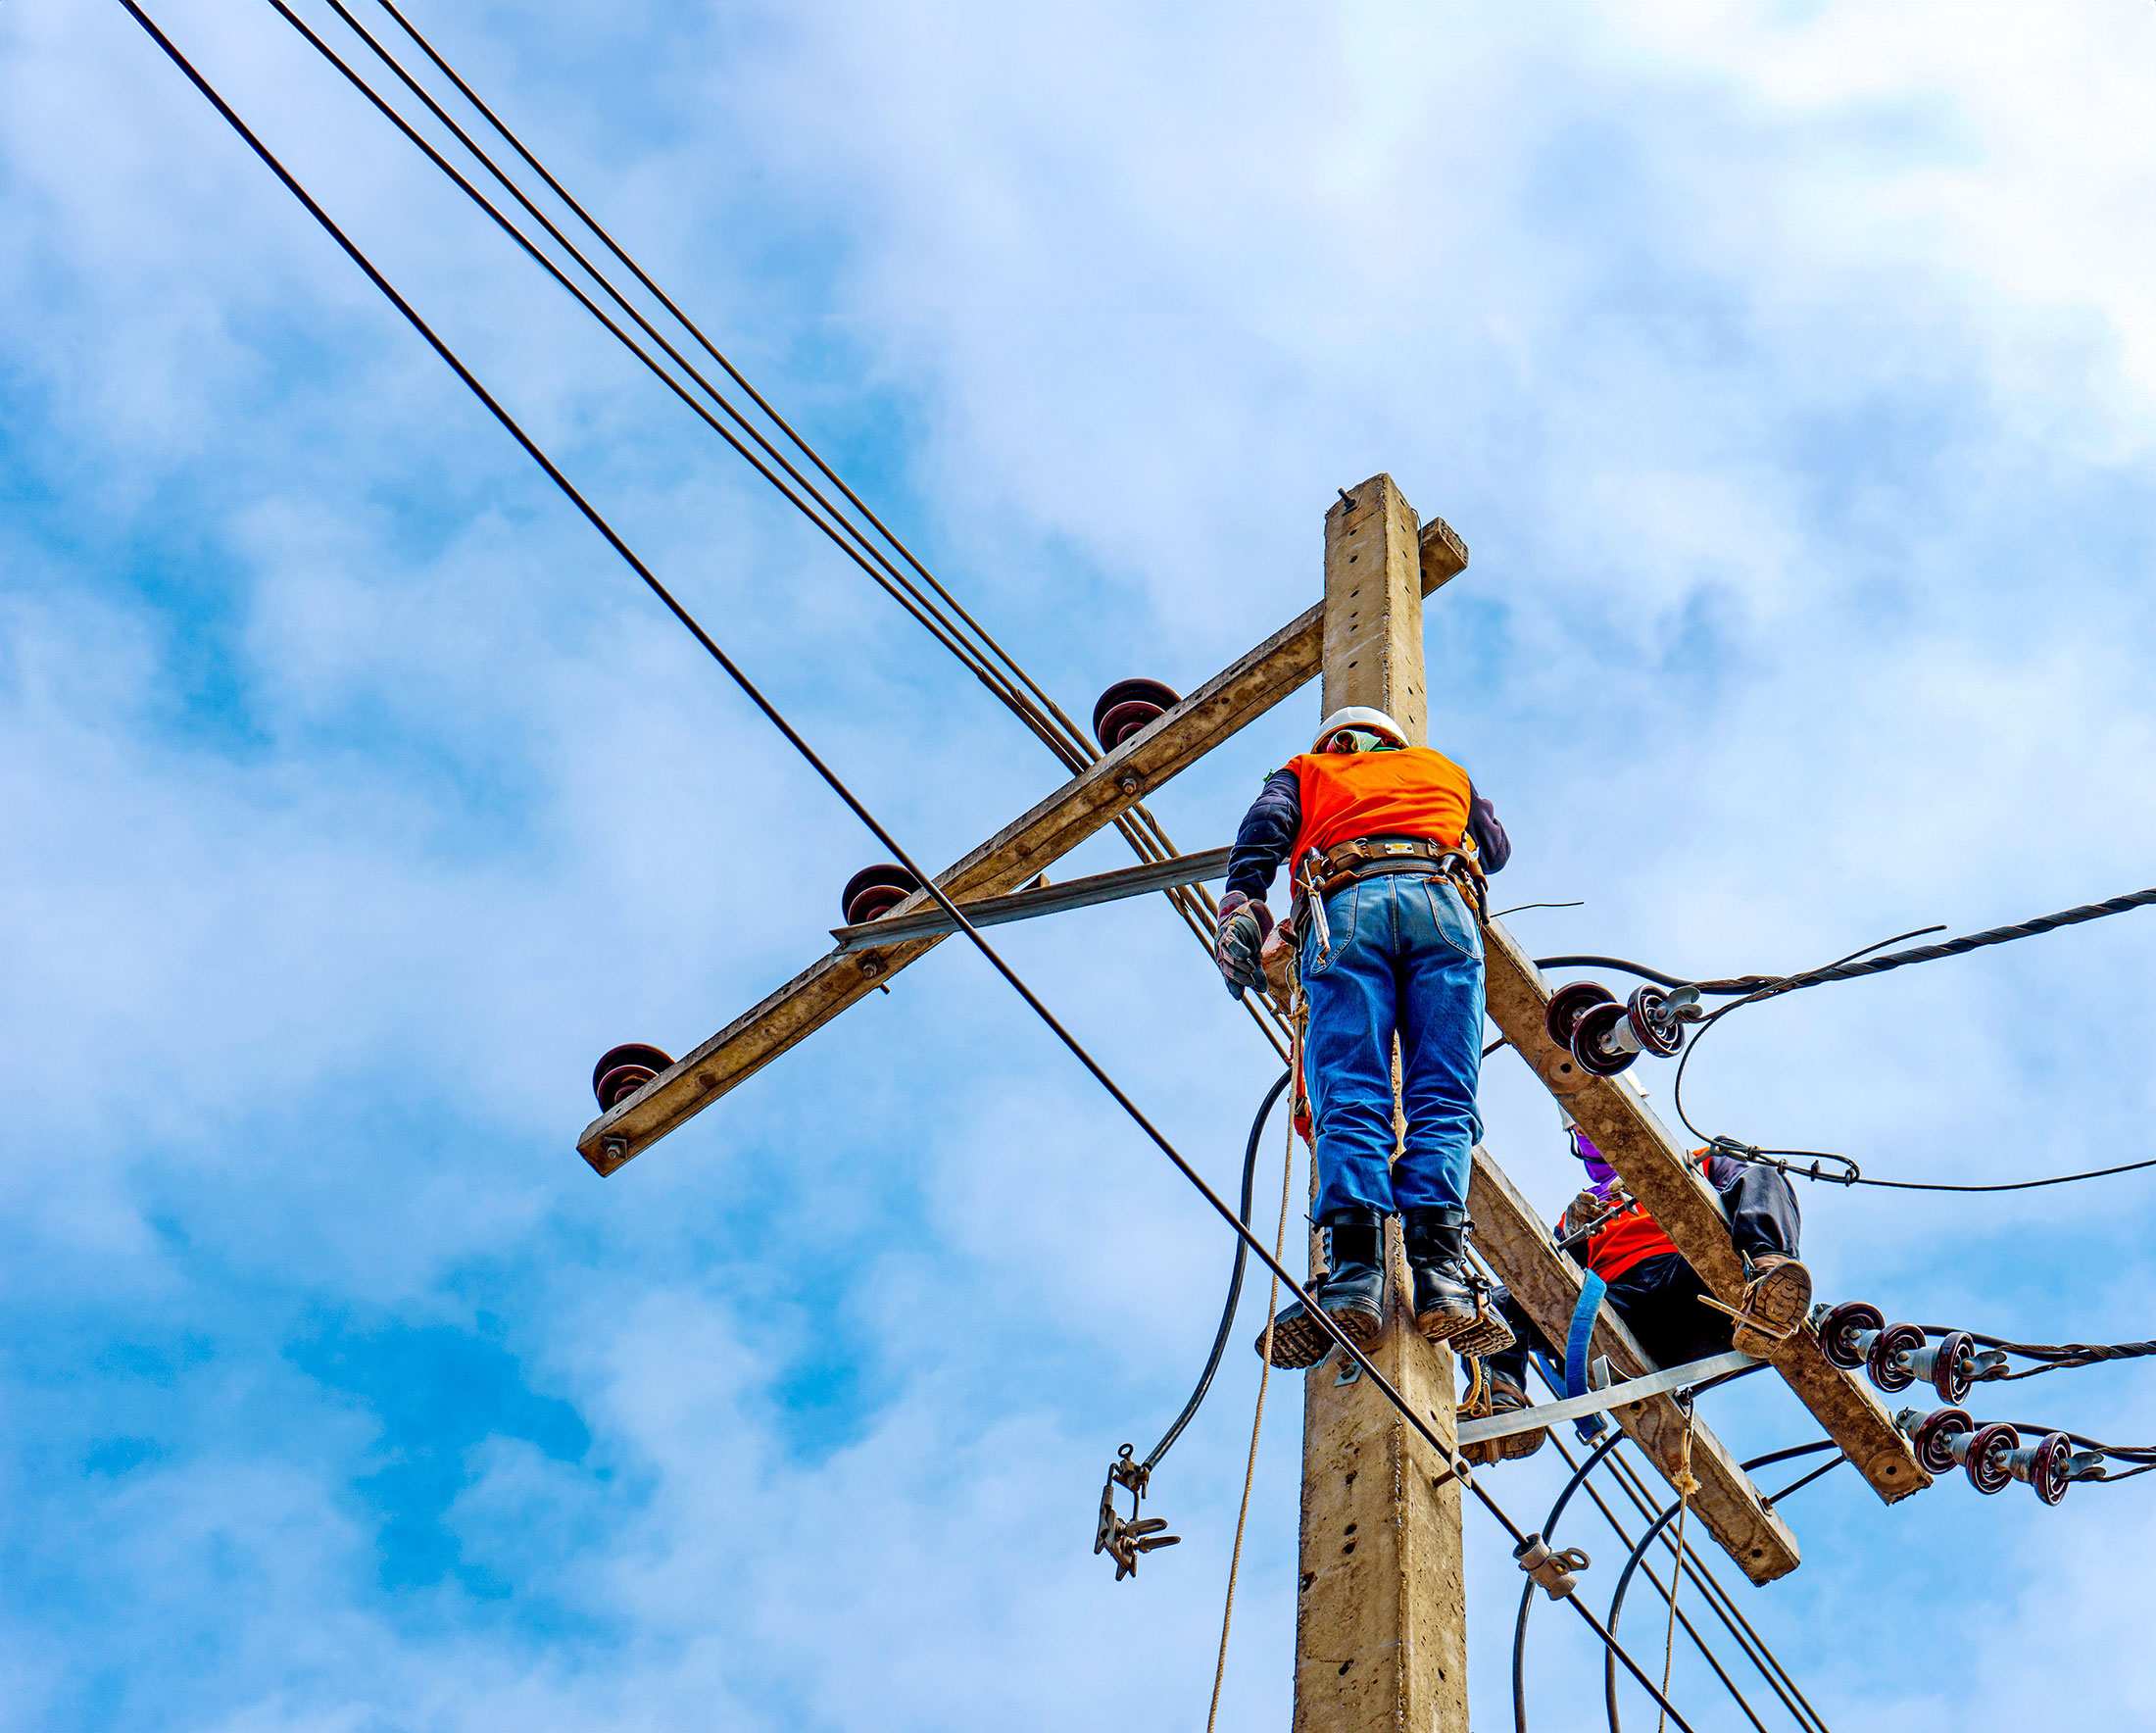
x=1358, y=716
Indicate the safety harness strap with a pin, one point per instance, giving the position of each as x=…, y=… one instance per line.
x=1581, y=1337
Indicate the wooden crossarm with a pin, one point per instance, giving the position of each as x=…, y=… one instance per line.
x=1089, y=800
x=1658, y=1172
x=1519, y=1249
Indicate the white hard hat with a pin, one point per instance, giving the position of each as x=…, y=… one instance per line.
x=1359, y=716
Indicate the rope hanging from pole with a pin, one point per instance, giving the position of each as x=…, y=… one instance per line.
x=1257, y=1421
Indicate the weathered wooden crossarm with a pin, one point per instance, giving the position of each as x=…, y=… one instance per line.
x=1519, y=1249
x=1089, y=800
x=1657, y=1170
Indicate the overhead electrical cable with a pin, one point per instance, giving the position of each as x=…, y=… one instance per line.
x=1457, y=1470
x=2056, y=1358
x=980, y=655
x=1579, y=1482
x=1755, y=1647
x=1754, y=989
x=1235, y=1285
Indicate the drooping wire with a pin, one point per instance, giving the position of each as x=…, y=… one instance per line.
x=1235, y=1286
x=1754, y=989
x=1639, y=1555
x=1846, y=968
x=1257, y=1417
x=1579, y=1482
x=1749, y=1642
x=1346, y=1345
x=1008, y=682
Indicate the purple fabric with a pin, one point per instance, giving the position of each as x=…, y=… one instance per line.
x=1599, y=1170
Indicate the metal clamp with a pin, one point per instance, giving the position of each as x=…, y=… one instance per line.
x=1554, y=1571
x=1127, y=1540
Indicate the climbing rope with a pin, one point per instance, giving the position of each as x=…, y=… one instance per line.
x=1258, y=1422
x=1687, y=1484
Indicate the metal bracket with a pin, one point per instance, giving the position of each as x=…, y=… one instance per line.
x=1529, y=1420
x=1556, y=1572
x=1050, y=899
x=1127, y=1540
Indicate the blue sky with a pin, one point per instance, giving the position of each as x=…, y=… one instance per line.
x=1789, y=371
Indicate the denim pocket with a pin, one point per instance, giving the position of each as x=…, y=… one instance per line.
x=1340, y=919
x=1448, y=912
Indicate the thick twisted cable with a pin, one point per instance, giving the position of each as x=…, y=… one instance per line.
x=1997, y=935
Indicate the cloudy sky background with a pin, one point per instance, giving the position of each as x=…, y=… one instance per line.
x=1790, y=372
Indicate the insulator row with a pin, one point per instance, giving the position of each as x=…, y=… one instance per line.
x=1896, y=1355
x=1993, y=1455
x=1604, y=1037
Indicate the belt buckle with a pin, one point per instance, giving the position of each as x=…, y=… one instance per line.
x=1401, y=847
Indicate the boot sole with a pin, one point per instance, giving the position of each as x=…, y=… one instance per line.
x=1778, y=1301
x=1299, y=1341
x=1478, y=1335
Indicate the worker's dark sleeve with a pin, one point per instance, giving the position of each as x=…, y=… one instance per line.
x=1491, y=846
x=1760, y=1203
x=1266, y=834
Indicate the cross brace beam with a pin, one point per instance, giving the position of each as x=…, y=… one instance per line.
x=1088, y=801
x=1517, y=1245
x=1658, y=1170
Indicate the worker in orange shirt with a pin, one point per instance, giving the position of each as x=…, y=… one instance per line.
x=1659, y=1296
x=1386, y=844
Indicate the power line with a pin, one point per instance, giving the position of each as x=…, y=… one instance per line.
x=1756, y=988
x=1147, y=837
x=1749, y=1642
x=1346, y=1345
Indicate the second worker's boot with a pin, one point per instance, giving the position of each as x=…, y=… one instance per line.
x=1447, y=1304
x=1776, y=1300
x=1351, y=1294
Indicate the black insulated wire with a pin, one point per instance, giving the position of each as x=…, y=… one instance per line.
x=1791, y=1455
x=1749, y=1642
x=1047, y=722
x=1755, y=1647
x=1341, y=1339
x=696, y=332
x=1235, y=1282
x=1799, y=1485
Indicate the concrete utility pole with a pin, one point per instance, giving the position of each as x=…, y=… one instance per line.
x=1381, y=1621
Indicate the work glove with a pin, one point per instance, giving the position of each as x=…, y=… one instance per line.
x=1236, y=940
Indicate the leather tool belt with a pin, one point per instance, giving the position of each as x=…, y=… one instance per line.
x=1368, y=856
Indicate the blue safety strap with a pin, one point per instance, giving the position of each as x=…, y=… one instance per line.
x=1581, y=1337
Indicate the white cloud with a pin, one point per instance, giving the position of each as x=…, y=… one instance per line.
x=1790, y=373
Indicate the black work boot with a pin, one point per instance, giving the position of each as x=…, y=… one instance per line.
x=1446, y=1305
x=1507, y=1398
x=1351, y=1294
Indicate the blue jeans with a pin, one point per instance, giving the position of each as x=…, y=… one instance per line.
x=1406, y=957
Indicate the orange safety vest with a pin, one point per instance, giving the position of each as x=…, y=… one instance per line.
x=1411, y=792
x=1632, y=1236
